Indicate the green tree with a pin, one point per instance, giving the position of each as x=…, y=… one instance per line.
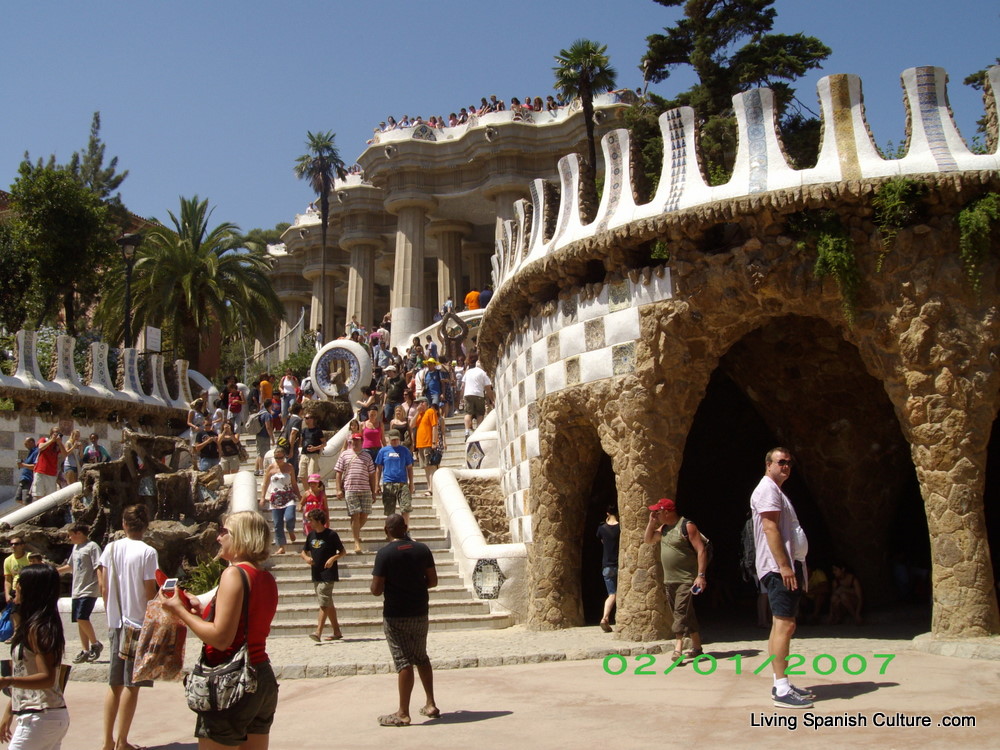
x=581, y=71
x=729, y=45
x=319, y=167
x=978, y=81
x=189, y=278
x=259, y=239
x=63, y=235
x=14, y=281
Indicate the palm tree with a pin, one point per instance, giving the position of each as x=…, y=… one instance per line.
x=189, y=278
x=319, y=167
x=580, y=71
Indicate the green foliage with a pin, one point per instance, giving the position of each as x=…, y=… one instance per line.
x=834, y=253
x=63, y=238
x=301, y=361
x=318, y=168
x=981, y=142
x=708, y=38
x=203, y=577
x=976, y=223
x=659, y=250
x=582, y=71
x=190, y=278
x=897, y=204
x=14, y=281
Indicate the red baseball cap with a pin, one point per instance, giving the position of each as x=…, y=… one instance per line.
x=664, y=504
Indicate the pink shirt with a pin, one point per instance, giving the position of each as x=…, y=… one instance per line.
x=767, y=496
x=372, y=437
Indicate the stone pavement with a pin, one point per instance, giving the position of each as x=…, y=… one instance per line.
x=557, y=690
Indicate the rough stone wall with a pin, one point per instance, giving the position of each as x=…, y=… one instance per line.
x=920, y=330
x=486, y=503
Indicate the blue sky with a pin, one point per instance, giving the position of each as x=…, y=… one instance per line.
x=215, y=98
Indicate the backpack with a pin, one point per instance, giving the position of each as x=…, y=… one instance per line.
x=235, y=405
x=709, y=548
x=256, y=423
x=748, y=553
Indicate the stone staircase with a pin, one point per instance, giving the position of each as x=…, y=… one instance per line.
x=453, y=605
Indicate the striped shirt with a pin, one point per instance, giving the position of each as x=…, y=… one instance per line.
x=356, y=469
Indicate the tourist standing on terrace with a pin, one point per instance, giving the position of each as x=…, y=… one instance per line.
x=27, y=467
x=244, y=587
x=127, y=578
x=472, y=299
x=47, y=465
x=779, y=542
x=404, y=572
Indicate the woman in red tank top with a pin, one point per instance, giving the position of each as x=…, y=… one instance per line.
x=245, y=542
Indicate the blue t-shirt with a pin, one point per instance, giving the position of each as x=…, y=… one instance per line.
x=394, y=461
x=432, y=381
x=29, y=474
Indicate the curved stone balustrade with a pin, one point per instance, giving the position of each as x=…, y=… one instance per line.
x=847, y=153
x=67, y=381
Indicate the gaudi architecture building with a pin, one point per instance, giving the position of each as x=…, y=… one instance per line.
x=420, y=224
x=657, y=345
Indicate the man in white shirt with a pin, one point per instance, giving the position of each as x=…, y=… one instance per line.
x=477, y=388
x=127, y=577
x=780, y=570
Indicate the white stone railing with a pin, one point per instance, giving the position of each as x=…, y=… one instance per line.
x=68, y=382
x=847, y=153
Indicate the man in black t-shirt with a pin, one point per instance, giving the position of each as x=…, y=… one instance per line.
x=322, y=549
x=206, y=445
x=404, y=571
x=312, y=446
x=391, y=387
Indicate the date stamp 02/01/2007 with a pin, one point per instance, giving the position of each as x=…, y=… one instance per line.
x=706, y=664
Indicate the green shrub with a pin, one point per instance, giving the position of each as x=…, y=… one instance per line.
x=975, y=224
x=897, y=204
x=204, y=576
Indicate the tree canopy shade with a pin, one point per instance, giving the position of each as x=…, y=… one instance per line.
x=190, y=278
x=62, y=236
x=319, y=167
x=729, y=45
x=581, y=71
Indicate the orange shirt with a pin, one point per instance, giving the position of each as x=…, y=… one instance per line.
x=472, y=300
x=426, y=423
x=265, y=391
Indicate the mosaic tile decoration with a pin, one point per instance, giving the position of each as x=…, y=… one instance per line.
x=487, y=578
x=930, y=116
x=757, y=144
x=553, y=348
x=572, y=371
x=619, y=296
x=678, y=159
x=623, y=358
x=593, y=334
x=614, y=173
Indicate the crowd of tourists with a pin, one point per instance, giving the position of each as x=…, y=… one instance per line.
x=485, y=106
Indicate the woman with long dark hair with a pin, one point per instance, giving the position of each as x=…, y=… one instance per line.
x=37, y=708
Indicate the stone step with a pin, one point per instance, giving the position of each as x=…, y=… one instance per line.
x=356, y=579
x=373, y=626
x=352, y=611
x=306, y=597
x=359, y=567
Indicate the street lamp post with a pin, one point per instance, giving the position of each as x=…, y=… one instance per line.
x=128, y=243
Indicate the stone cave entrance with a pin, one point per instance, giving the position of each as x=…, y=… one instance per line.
x=991, y=500
x=796, y=382
x=603, y=492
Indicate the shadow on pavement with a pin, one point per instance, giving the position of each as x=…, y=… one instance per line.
x=175, y=746
x=848, y=690
x=465, y=717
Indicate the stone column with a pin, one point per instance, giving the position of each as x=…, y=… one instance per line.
x=292, y=311
x=476, y=265
x=504, y=201
x=408, y=310
x=449, y=238
x=361, y=279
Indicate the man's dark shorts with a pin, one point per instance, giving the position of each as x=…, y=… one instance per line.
x=475, y=406
x=784, y=603
x=252, y=715
x=120, y=670
x=407, y=639
x=82, y=608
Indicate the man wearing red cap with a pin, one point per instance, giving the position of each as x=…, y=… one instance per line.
x=684, y=558
x=356, y=485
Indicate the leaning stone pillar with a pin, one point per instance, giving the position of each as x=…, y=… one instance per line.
x=948, y=441
x=449, y=238
x=408, y=313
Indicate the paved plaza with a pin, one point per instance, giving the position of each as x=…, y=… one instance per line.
x=560, y=689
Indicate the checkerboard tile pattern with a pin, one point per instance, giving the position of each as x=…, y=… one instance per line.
x=583, y=341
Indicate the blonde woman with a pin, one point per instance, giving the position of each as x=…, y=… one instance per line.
x=243, y=542
x=280, y=492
